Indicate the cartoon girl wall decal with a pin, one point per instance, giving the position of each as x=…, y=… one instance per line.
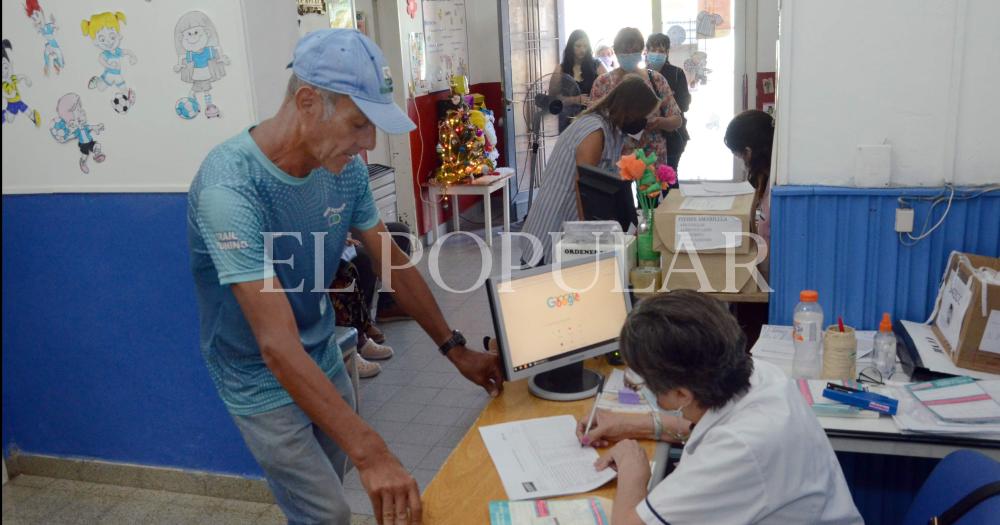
x=52, y=54
x=104, y=29
x=72, y=123
x=200, y=62
x=12, y=103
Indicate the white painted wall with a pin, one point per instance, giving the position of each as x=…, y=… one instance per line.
x=767, y=34
x=484, y=41
x=917, y=75
x=272, y=32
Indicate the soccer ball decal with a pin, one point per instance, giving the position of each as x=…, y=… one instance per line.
x=123, y=102
x=187, y=108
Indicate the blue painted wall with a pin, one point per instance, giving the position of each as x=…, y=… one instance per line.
x=100, y=338
x=842, y=242
x=100, y=331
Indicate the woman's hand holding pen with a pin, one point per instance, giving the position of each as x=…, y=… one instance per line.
x=610, y=427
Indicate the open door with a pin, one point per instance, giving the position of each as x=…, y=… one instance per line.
x=529, y=39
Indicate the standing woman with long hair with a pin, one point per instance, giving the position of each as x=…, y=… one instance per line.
x=749, y=136
x=578, y=62
x=595, y=138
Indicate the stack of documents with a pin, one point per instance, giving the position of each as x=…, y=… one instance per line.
x=776, y=347
x=538, y=458
x=617, y=397
x=590, y=511
x=916, y=415
x=812, y=392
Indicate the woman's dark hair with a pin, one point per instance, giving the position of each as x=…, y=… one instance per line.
x=687, y=339
x=630, y=100
x=658, y=40
x=587, y=66
x=627, y=38
x=753, y=129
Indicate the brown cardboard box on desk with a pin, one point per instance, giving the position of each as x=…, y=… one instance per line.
x=967, y=318
x=706, y=246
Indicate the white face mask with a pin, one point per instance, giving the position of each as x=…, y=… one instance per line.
x=679, y=411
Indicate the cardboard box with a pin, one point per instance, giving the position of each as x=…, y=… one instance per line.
x=725, y=262
x=707, y=227
x=678, y=270
x=966, y=316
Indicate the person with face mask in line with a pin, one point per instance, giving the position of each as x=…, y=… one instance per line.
x=628, y=47
x=594, y=138
x=657, y=59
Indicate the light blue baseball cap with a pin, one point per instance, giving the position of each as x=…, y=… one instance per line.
x=346, y=61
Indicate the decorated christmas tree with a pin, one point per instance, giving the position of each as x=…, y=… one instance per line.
x=461, y=147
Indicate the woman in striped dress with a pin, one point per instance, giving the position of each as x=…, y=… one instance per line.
x=594, y=138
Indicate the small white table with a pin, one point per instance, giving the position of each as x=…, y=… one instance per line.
x=485, y=188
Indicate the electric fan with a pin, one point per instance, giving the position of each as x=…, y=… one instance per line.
x=549, y=104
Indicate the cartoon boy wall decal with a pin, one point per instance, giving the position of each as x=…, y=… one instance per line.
x=52, y=54
x=72, y=123
x=12, y=103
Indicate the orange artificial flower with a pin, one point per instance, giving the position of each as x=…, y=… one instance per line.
x=630, y=167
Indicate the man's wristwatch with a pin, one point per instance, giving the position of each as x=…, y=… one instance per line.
x=456, y=339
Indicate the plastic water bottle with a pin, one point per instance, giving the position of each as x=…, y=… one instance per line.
x=807, y=337
x=885, y=347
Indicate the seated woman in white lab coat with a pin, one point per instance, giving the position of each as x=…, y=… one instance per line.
x=756, y=453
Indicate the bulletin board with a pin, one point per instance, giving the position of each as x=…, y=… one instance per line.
x=447, y=44
x=151, y=139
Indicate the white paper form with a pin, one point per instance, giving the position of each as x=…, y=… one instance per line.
x=954, y=302
x=706, y=232
x=708, y=203
x=991, y=335
x=958, y=399
x=538, y=458
x=715, y=189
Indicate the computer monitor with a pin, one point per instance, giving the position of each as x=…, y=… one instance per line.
x=605, y=196
x=549, y=319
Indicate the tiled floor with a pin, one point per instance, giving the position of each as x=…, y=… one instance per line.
x=38, y=500
x=420, y=405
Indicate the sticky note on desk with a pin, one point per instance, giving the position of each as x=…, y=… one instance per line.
x=628, y=397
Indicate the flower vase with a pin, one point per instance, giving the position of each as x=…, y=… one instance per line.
x=644, y=240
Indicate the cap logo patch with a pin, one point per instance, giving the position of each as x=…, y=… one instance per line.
x=386, y=80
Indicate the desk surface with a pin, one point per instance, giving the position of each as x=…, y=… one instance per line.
x=468, y=481
x=882, y=436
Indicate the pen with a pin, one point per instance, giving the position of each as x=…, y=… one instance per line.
x=593, y=410
x=840, y=323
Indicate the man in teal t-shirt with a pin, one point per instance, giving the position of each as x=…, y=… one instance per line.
x=268, y=215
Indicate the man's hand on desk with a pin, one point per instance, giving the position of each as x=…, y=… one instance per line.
x=394, y=494
x=482, y=368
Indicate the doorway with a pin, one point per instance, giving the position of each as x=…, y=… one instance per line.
x=706, y=39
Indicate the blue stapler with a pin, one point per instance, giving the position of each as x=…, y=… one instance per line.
x=861, y=398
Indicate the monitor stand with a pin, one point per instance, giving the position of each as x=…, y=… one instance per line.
x=566, y=383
